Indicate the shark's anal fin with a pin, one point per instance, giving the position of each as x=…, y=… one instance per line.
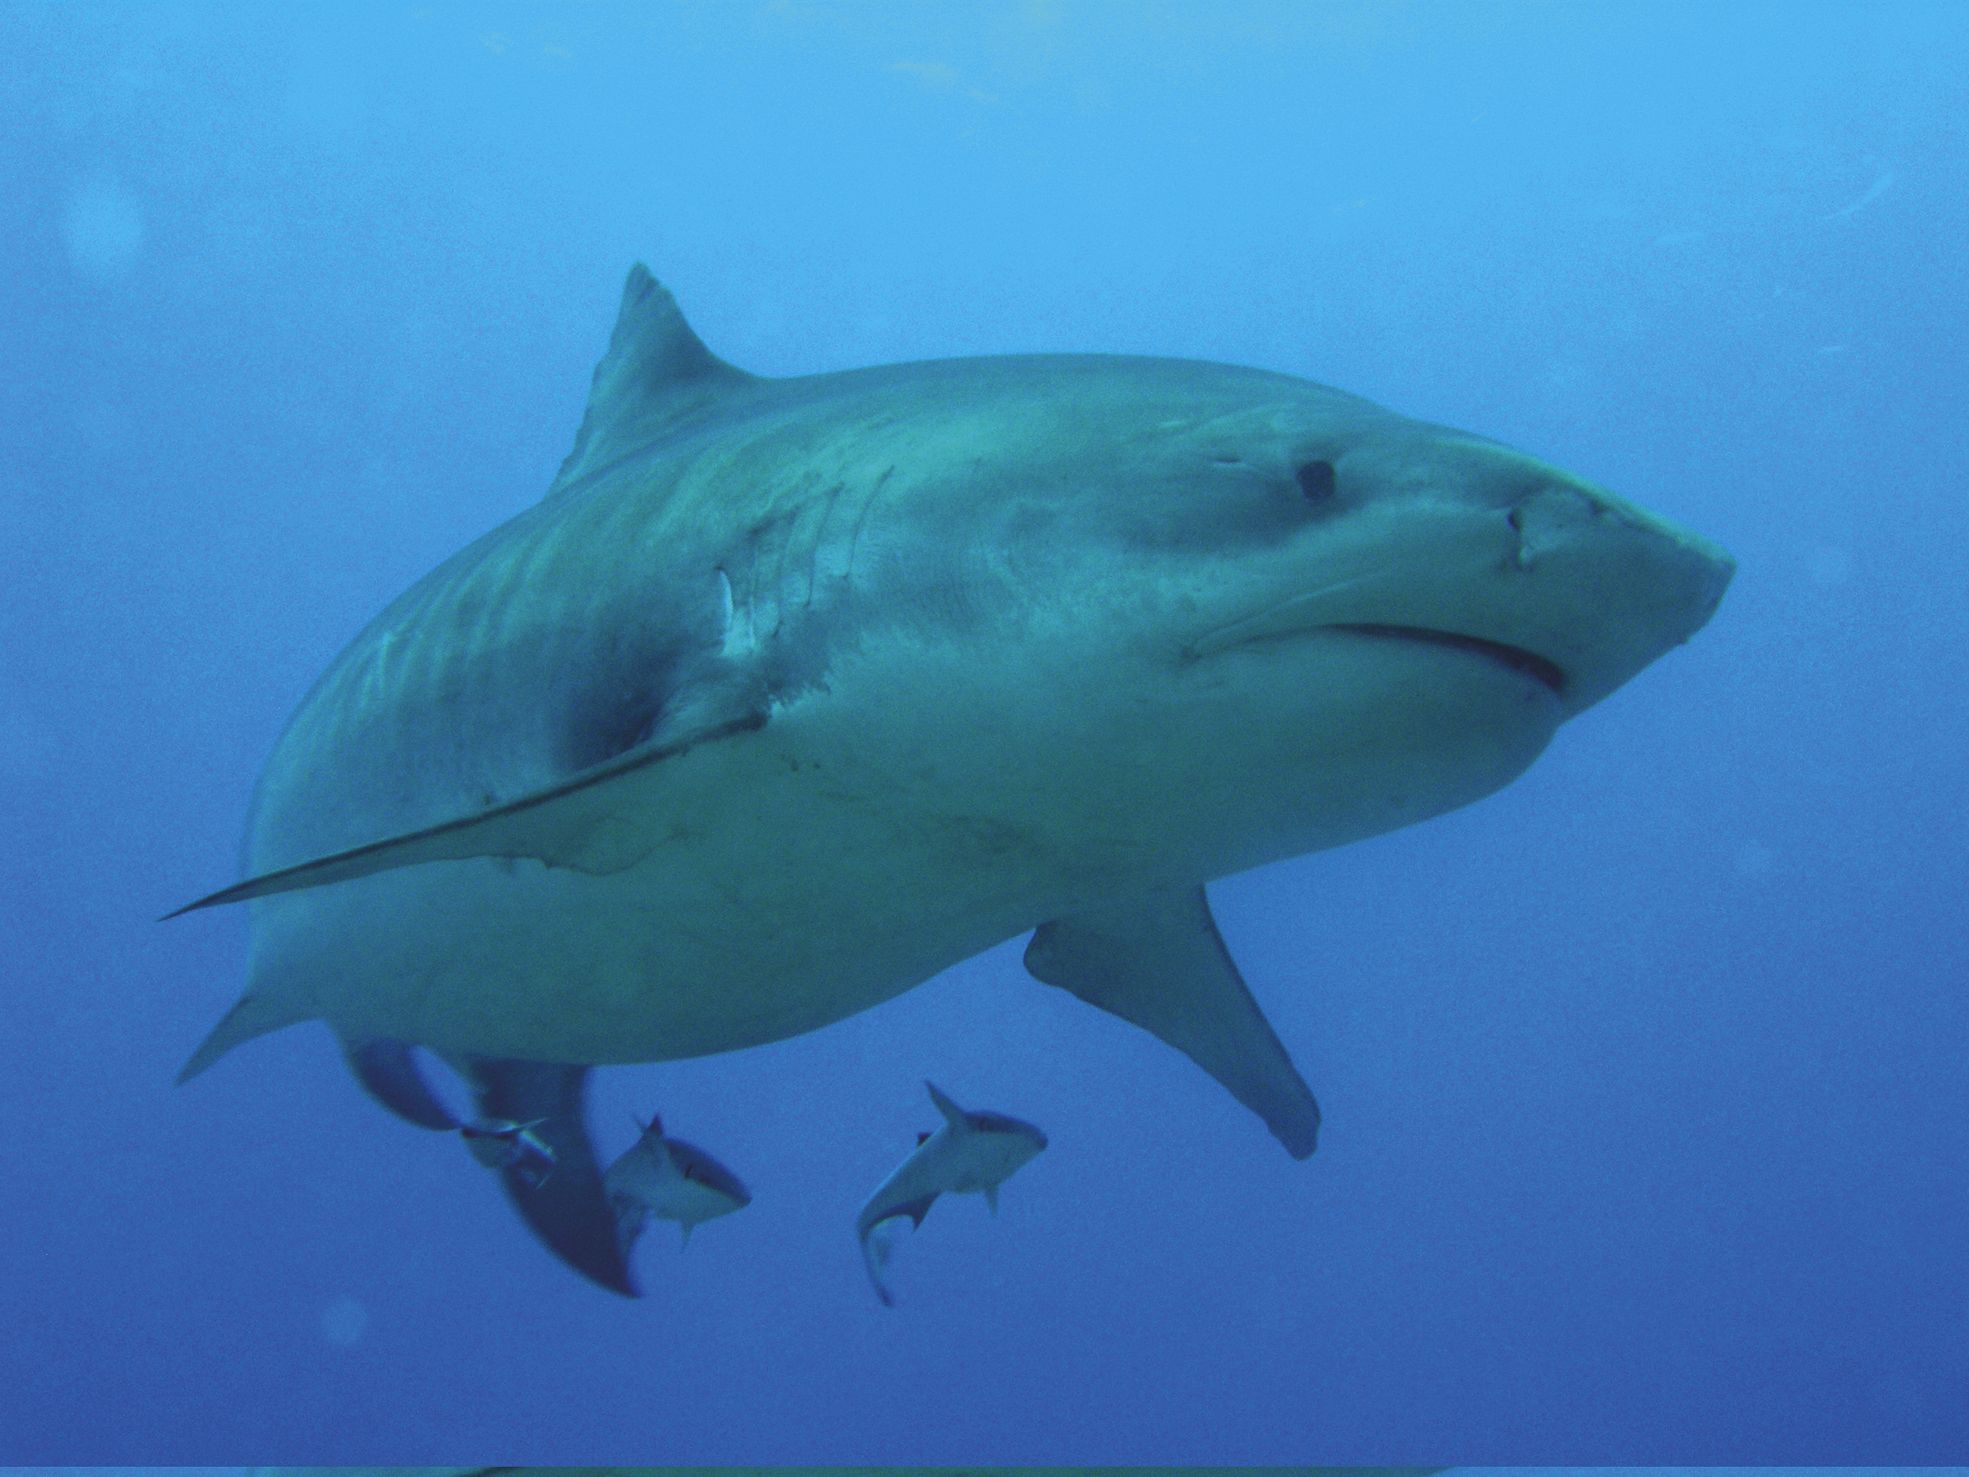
x=570, y=824
x=567, y=1208
x=1159, y=961
x=388, y=1071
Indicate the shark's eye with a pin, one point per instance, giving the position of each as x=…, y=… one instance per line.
x=1317, y=482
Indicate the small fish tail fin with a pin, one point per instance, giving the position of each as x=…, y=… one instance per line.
x=955, y=1116
x=252, y=1015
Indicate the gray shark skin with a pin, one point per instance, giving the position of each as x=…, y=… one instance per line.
x=971, y=1154
x=667, y=1179
x=792, y=693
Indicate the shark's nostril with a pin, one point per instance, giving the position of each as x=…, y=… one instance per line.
x=1548, y=519
x=1522, y=557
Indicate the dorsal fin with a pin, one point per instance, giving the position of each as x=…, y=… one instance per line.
x=656, y=375
x=955, y=1116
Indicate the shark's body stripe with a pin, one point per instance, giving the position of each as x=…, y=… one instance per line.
x=792, y=693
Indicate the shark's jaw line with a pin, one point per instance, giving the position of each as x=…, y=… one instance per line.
x=1529, y=663
x=1284, y=622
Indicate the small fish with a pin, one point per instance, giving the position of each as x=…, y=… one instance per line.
x=671, y=1180
x=973, y=1153
x=500, y=1143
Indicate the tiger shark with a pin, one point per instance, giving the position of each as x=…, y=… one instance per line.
x=793, y=692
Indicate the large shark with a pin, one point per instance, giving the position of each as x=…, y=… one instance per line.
x=793, y=692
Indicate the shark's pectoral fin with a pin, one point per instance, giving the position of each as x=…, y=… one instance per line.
x=567, y=1206
x=388, y=1071
x=1159, y=961
x=574, y=823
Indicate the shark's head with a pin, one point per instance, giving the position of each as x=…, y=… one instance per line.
x=1359, y=525
x=1383, y=618
x=1003, y=1143
x=704, y=1188
x=671, y=1180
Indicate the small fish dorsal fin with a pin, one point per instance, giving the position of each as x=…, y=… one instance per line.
x=955, y=1116
x=656, y=375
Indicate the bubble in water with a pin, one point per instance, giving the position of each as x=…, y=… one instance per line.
x=343, y=1322
x=103, y=229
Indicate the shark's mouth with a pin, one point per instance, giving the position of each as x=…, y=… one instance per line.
x=1516, y=658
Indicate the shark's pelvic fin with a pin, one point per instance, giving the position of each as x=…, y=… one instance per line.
x=655, y=378
x=955, y=1116
x=388, y=1071
x=251, y=1015
x=1159, y=961
x=568, y=1208
x=568, y=824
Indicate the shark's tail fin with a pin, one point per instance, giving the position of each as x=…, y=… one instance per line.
x=876, y=1244
x=253, y=1015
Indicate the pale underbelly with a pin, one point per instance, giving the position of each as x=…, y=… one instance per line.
x=764, y=927
x=799, y=875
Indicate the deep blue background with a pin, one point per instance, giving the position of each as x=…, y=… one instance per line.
x=1645, y=1080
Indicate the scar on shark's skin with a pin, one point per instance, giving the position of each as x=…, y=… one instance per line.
x=792, y=693
x=970, y=1154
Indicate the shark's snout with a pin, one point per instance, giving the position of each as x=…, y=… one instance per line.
x=1553, y=516
x=1608, y=587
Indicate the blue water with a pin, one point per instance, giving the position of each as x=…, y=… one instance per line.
x=1645, y=1079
